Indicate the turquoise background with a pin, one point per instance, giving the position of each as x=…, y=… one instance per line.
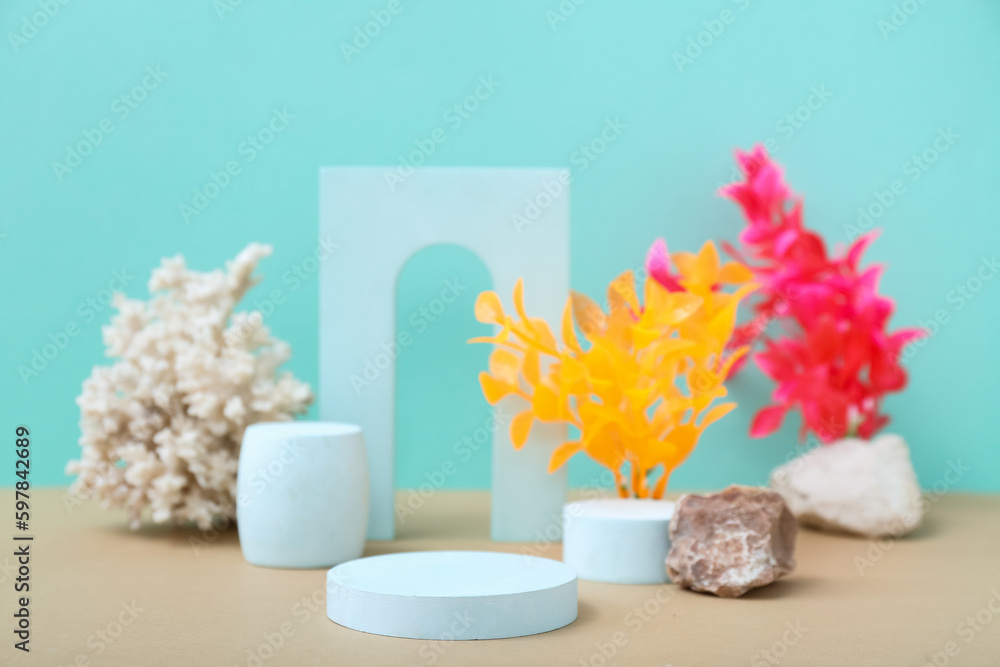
x=887, y=90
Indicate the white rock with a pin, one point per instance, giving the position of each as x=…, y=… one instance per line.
x=854, y=486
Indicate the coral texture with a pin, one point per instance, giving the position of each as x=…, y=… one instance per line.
x=161, y=427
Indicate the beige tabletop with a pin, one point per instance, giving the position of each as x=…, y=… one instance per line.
x=104, y=595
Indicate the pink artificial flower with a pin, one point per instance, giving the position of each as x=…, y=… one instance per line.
x=836, y=361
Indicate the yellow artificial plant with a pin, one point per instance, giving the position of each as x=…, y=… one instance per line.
x=619, y=385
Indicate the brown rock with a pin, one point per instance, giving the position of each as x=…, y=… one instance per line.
x=729, y=542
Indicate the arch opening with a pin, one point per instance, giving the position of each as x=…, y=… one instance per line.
x=441, y=432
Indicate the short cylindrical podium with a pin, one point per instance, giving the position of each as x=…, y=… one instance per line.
x=452, y=595
x=618, y=540
x=302, y=494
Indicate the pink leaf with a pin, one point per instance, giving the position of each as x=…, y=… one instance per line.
x=767, y=421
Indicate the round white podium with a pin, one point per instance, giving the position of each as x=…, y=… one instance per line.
x=452, y=595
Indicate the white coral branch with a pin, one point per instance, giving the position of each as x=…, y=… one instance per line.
x=161, y=427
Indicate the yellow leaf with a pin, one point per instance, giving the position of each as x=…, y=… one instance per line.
x=600, y=360
x=568, y=332
x=643, y=337
x=519, y=301
x=530, y=367
x=608, y=414
x=640, y=397
x=563, y=453
x=734, y=273
x=661, y=485
x=494, y=389
x=569, y=371
x=744, y=290
x=681, y=306
x=520, y=426
x=667, y=415
x=720, y=328
x=656, y=298
x=504, y=365
x=590, y=319
x=543, y=333
x=671, y=347
x=604, y=448
x=545, y=404
x=621, y=294
x=706, y=268
x=685, y=262
x=732, y=359
x=681, y=440
x=685, y=438
x=655, y=452
x=619, y=327
x=488, y=308
x=715, y=414
x=502, y=336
